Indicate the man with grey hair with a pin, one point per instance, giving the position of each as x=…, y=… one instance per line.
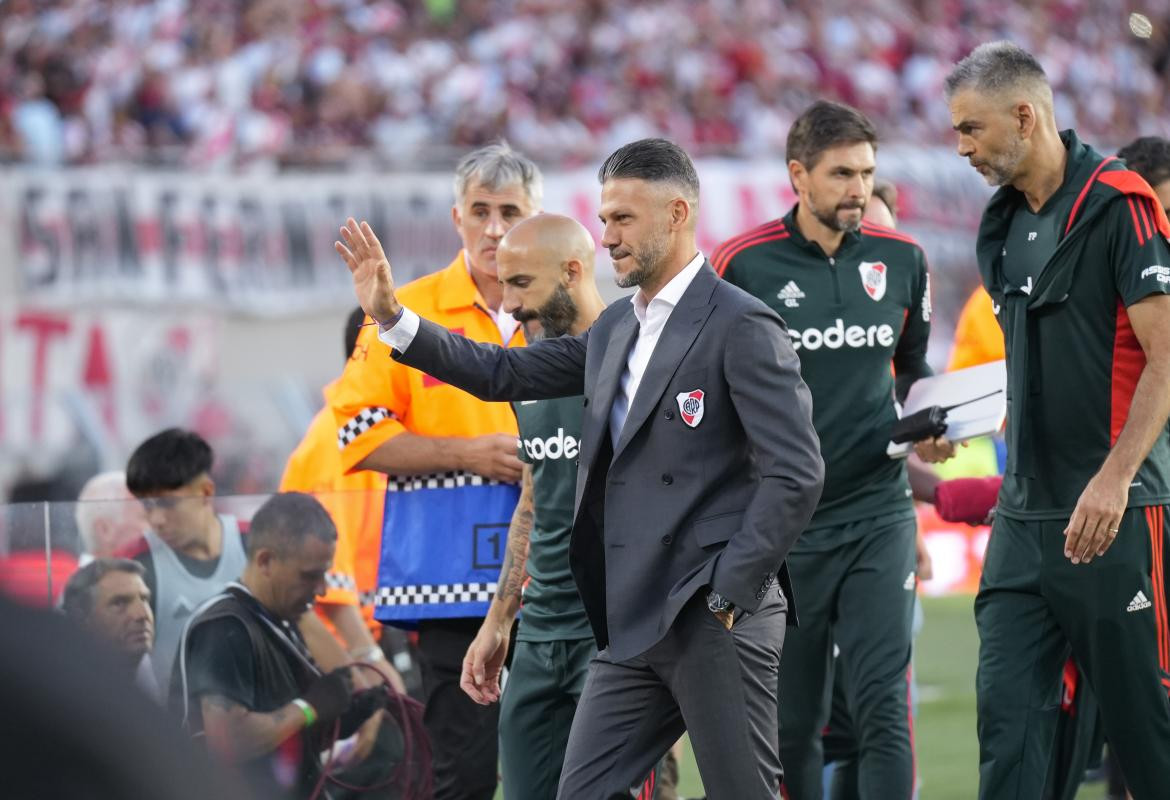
x=109, y=518
x=109, y=597
x=453, y=467
x=698, y=469
x=1073, y=251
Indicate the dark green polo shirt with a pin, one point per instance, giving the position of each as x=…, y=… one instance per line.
x=550, y=436
x=1073, y=359
x=1034, y=236
x=855, y=320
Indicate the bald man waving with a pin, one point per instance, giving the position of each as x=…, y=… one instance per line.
x=546, y=271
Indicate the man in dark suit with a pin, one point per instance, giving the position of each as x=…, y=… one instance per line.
x=699, y=468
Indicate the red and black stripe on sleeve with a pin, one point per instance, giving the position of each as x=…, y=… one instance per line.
x=1129, y=360
x=1144, y=214
x=768, y=232
x=1145, y=210
x=882, y=232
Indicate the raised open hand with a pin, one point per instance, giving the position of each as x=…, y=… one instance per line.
x=373, y=282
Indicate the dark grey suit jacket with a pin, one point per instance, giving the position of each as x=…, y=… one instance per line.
x=671, y=508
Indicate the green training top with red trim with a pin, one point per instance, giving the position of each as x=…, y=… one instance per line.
x=850, y=316
x=550, y=438
x=1073, y=358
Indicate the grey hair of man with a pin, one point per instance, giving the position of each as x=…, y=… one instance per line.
x=657, y=161
x=1006, y=76
x=495, y=167
x=78, y=598
x=102, y=496
x=1001, y=68
x=286, y=521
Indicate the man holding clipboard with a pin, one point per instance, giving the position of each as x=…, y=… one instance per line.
x=856, y=297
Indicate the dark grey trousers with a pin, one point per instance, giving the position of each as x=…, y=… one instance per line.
x=719, y=685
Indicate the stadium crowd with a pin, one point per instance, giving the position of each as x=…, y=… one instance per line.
x=212, y=614
x=326, y=82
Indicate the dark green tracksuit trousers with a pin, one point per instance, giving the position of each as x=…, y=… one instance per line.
x=1034, y=605
x=859, y=594
x=1078, y=742
x=536, y=712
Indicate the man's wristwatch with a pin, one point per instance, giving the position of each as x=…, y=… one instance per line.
x=718, y=603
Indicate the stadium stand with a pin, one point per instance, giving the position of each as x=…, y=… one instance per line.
x=327, y=82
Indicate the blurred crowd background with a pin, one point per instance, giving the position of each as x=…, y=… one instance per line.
x=238, y=84
x=174, y=171
x=173, y=174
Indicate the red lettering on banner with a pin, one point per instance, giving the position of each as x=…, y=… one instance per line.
x=704, y=238
x=585, y=210
x=749, y=208
x=149, y=236
x=907, y=205
x=179, y=339
x=96, y=374
x=44, y=327
x=428, y=381
x=231, y=242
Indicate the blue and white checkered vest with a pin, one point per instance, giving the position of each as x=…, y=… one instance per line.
x=443, y=542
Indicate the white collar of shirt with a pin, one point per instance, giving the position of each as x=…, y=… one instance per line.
x=652, y=319
x=669, y=295
x=505, y=322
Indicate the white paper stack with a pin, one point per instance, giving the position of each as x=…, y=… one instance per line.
x=982, y=417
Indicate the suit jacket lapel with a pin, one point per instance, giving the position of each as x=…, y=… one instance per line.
x=683, y=326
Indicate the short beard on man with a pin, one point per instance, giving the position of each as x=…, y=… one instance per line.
x=832, y=219
x=649, y=258
x=1002, y=168
x=555, y=317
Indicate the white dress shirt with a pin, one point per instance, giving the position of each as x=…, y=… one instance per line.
x=402, y=334
x=652, y=319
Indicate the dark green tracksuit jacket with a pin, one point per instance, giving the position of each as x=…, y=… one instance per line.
x=850, y=317
x=859, y=322
x=1072, y=357
x=1061, y=280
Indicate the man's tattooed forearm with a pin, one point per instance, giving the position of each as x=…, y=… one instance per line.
x=516, y=558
